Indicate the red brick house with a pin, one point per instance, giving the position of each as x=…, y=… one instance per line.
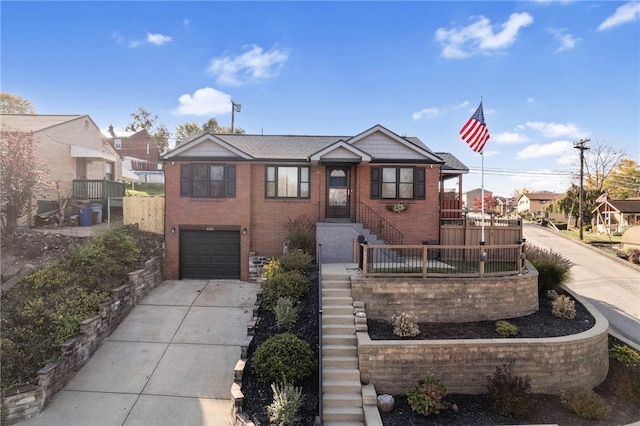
x=230, y=195
x=139, y=152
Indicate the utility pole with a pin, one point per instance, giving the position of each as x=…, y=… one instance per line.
x=581, y=146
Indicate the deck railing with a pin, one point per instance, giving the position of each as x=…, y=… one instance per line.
x=378, y=224
x=441, y=261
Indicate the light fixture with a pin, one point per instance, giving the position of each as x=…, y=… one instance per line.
x=234, y=108
x=244, y=231
x=173, y=229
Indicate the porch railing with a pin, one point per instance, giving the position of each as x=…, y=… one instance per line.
x=441, y=261
x=97, y=190
x=378, y=224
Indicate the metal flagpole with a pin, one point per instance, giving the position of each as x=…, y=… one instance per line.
x=482, y=195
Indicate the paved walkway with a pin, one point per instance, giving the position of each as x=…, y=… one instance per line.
x=170, y=362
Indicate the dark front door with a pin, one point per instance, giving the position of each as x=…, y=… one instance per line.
x=337, y=192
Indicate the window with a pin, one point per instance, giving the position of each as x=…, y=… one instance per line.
x=208, y=181
x=109, y=171
x=287, y=182
x=117, y=143
x=395, y=183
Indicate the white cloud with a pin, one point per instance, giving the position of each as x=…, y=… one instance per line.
x=480, y=36
x=157, y=39
x=552, y=149
x=531, y=100
x=624, y=14
x=186, y=22
x=555, y=130
x=205, y=101
x=253, y=65
x=509, y=138
x=567, y=41
x=426, y=112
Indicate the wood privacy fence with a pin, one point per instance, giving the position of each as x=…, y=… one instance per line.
x=147, y=212
x=467, y=231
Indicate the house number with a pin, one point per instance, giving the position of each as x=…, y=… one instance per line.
x=210, y=228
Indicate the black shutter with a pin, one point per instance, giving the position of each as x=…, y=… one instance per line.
x=185, y=180
x=231, y=181
x=375, y=182
x=420, y=184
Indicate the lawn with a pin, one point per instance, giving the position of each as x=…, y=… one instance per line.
x=145, y=189
x=591, y=237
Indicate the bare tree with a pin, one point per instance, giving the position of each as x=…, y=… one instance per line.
x=599, y=162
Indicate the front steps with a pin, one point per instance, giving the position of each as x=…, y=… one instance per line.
x=341, y=387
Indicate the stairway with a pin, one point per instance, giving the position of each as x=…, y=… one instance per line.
x=341, y=387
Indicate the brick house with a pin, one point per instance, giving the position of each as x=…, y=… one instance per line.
x=537, y=203
x=139, y=151
x=71, y=147
x=230, y=195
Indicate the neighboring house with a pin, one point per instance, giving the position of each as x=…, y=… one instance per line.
x=536, y=204
x=506, y=207
x=616, y=215
x=140, y=154
x=467, y=197
x=230, y=196
x=71, y=147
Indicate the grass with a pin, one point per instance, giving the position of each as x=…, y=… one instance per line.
x=145, y=189
x=591, y=237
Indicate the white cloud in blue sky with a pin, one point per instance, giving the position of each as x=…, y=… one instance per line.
x=556, y=130
x=567, y=41
x=251, y=66
x=480, y=37
x=553, y=149
x=624, y=14
x=157, y=39
x=204, y=102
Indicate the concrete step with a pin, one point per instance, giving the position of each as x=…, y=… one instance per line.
x=337, y=309
x=338, y=319
x=339, y=361
x=340, y=350
x=344, y=423
x=341, y=374
x=341, y=386
x=336, y=292
x=343, y=414
x=339, y=339
x=348, y=399
x=329, y=329
x=336, y=283
x=337, y=301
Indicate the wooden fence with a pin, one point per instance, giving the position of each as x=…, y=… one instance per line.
x=468, y=231
x=147, y=212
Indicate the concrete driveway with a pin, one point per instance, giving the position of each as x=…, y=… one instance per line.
x=170, y=362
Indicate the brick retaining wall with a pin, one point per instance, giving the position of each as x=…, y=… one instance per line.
x=27, y=401
x=449, y=299
x=553, y=364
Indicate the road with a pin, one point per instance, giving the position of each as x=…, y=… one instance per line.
x=608, y=284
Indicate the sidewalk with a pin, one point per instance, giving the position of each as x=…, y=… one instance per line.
x=170, y=362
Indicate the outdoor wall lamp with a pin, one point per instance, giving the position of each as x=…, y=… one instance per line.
x=173, y=229
x=244, y=231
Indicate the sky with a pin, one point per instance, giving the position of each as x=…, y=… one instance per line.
x=549, y=73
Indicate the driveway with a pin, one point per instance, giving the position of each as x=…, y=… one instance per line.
x=170, y=362
x=610, y=284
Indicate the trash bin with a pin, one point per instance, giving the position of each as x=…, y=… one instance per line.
x=85, y=216
x=97, y=208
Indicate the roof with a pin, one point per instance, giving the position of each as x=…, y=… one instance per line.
x=624, y=206
x=542, y=195
x=451, y=163
x=33, y=122
x=120, y=133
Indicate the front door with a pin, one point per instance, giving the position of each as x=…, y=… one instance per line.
x=338, y=192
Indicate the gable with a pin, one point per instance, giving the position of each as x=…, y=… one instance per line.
x=206, y=146
x=383, y=145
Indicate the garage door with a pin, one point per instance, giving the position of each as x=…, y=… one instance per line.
x=210, y=254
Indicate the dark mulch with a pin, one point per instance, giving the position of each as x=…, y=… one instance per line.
x=472, y=409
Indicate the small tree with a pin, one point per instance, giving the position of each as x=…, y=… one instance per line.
x=21, y=178
x=14, y=104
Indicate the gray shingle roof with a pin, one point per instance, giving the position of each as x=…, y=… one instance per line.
x=451, y=162
x=33, y=122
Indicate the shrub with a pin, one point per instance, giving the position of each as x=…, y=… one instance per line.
x=625, y=355
x=283, y=358
x=508, y=392
x=296, y=260
x=553, y=268
x=563, y=307
x=286, y=404
x=292, y=284
x=301, y=234
x=634, y=256
x=585, y=403
x=427, y=397
x=506, y=329
x=627, y=383
x=271, y=269
x=405, y=324
x=286, y=310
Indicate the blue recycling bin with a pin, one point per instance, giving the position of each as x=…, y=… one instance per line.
x=86, y=216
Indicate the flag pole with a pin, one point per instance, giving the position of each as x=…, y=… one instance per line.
x=482, y=192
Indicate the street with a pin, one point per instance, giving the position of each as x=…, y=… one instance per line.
x=608, y=284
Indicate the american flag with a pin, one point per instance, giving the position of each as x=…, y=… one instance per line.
x=475, y=132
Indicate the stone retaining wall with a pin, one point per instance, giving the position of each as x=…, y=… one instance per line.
x=553, y=364
x=449, y=299
x=27, y=401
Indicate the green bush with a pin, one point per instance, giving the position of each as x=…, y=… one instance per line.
x=286, y=310
x=625, y=355
x=405, y=324
x=552, y=267
x=283, y=358
x=506, y=329
x=301, y=233
x=292, y=284
x=427, y=397
x=585, y=403
x=296, y=260
x=508, y=393
x=271, y=269
x=287, y=401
